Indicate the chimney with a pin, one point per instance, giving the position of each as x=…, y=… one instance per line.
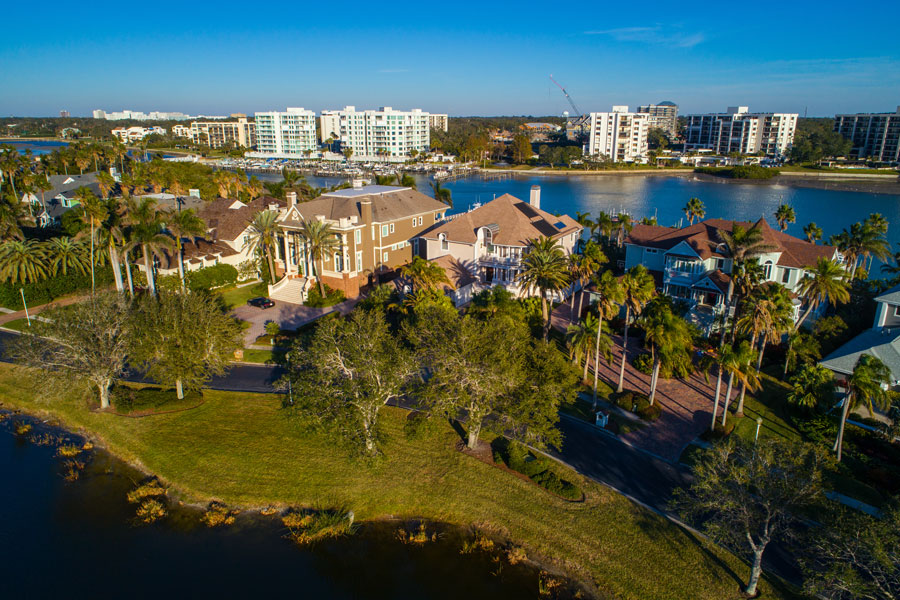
x=365, y=210
x=292, y=199
x=535, y=199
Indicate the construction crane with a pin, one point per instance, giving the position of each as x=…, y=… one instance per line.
x=568, y=97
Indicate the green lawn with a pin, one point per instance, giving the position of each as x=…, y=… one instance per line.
x=253, y=355
x=814, y=169
x=17, y=325
x=771, y=404
x=244, y=450
x=238, y=296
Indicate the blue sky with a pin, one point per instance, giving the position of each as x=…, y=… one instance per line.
x=462, y=58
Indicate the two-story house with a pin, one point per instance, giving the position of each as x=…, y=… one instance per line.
x=881, y=341
x=375, y=225
x=48, y=207
x=484, y=247
x=693, y=264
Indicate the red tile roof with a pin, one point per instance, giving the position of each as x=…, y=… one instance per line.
x=703, y=238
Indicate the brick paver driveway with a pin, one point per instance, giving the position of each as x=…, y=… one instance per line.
x=686, y=404
x=288, y=316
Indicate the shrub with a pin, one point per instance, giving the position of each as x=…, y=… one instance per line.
x=332, y=297
x=151, y=489
x=218, y=514
x=323, y=524
x=643, y=363
x=47, y=290
x=68, y=451
x=718, y=433
x=150, y=510
x=208, y=278
x=740, y=172
x=649, y=412
x=519, y=459
x=22, y=428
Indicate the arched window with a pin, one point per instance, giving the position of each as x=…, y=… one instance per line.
x=445, y=245
x=767, y=269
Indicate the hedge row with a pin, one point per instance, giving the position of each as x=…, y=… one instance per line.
x=47, y=290
x=517, y=457
x=637, y=403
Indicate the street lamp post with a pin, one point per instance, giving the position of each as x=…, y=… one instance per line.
x=27, y=318
x=759, y=421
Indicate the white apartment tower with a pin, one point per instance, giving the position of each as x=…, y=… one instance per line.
x=875, y=136
x=440, y=122
x=738, y=130
x=289, y=134
x=621, y=136
x=383, y=134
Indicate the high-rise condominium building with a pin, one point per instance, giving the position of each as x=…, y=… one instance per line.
x=741, y=131
x=378, y=134
x=663, y=115
x=216, y=134
x=438, y=121
x=289, y=134
x=64, y=114
x=621, y=136
x=875, y=136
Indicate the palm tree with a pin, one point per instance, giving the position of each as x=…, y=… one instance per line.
x=11, y=217
x=424, y=274
x=10, y=163
x=106, y=183
x=784, y=215
x=112, y=232
x=184, y=224
x=93, y=212
x=580, y=338
x=770, y=314
x=625, y=225
x=893, y=269
x=263, y=235
x=64, y=254
x=605, y=225
x=866, y=387
x=737, y=363
x=42, y=184
x=146, y=232
x=824, y=283
x=741, y=244
x=669, y=337
x=22, y=261
x=813, y=232
x=611, y=296
x=321, y=239
x=442, y=194
x=638, y=288
x=544, y=267
x=694, y=209
x=290, y=177
x=588, y=263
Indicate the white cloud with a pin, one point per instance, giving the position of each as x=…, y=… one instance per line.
x=655, y=35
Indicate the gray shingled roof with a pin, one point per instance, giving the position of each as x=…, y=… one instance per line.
x=883, y=344
x=891, y=296
x=388, y=204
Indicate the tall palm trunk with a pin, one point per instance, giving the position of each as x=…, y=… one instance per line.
x=116, y=267
x=740, y=408
x=654, y=379
x=839, y=442
x=727, y=398
x=319, y=270
x=762, y=348
x=597, y=354
x=128, y=273
x=580, y=299
x=712, y=426
x=624, y=349
x=180, y=262
x=545, y=313
x=179, y=389
x=271, y=264
x=148, y=265
x=587, y=361
x=93, y=282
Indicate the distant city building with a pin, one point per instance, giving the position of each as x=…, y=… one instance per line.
x=440, y=122
x=135, y=115
x=621, y=136
x=289, y=134
x=181, y=131
x=377, y=134
x=875, y=136
x=64, y=114
x=216, y=134
x=741, y=131
x=133, y=134
x=663, y=115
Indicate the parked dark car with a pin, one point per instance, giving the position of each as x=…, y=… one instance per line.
x=261, y=302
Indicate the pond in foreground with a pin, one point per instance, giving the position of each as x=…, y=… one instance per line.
x=77, y=539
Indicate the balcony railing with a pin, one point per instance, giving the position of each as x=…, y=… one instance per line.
x=496, y=259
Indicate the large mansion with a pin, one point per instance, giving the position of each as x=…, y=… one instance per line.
x=484, y=247
x=693, y=264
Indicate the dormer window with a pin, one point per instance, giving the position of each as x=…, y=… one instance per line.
x=767, y=269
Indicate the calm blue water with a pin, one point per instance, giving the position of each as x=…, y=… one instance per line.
x=37, y=148
x=77, y=540
x=664, y=197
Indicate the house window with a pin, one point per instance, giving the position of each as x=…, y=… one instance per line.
x=785, y=275
x=384, y=256
x=414, y=221
x=384, y=230
x=357, y=236
x=897, y=311
x=720, y=263
x=359, y=265
x=767, y=269
x=420, y=220
x=338, y=262
x=415, y=245
x=445, y=245
x=392, y=228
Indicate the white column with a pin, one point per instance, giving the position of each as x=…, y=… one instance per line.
x=287, y=255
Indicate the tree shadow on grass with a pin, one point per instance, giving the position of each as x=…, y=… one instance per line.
x=660, y=530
